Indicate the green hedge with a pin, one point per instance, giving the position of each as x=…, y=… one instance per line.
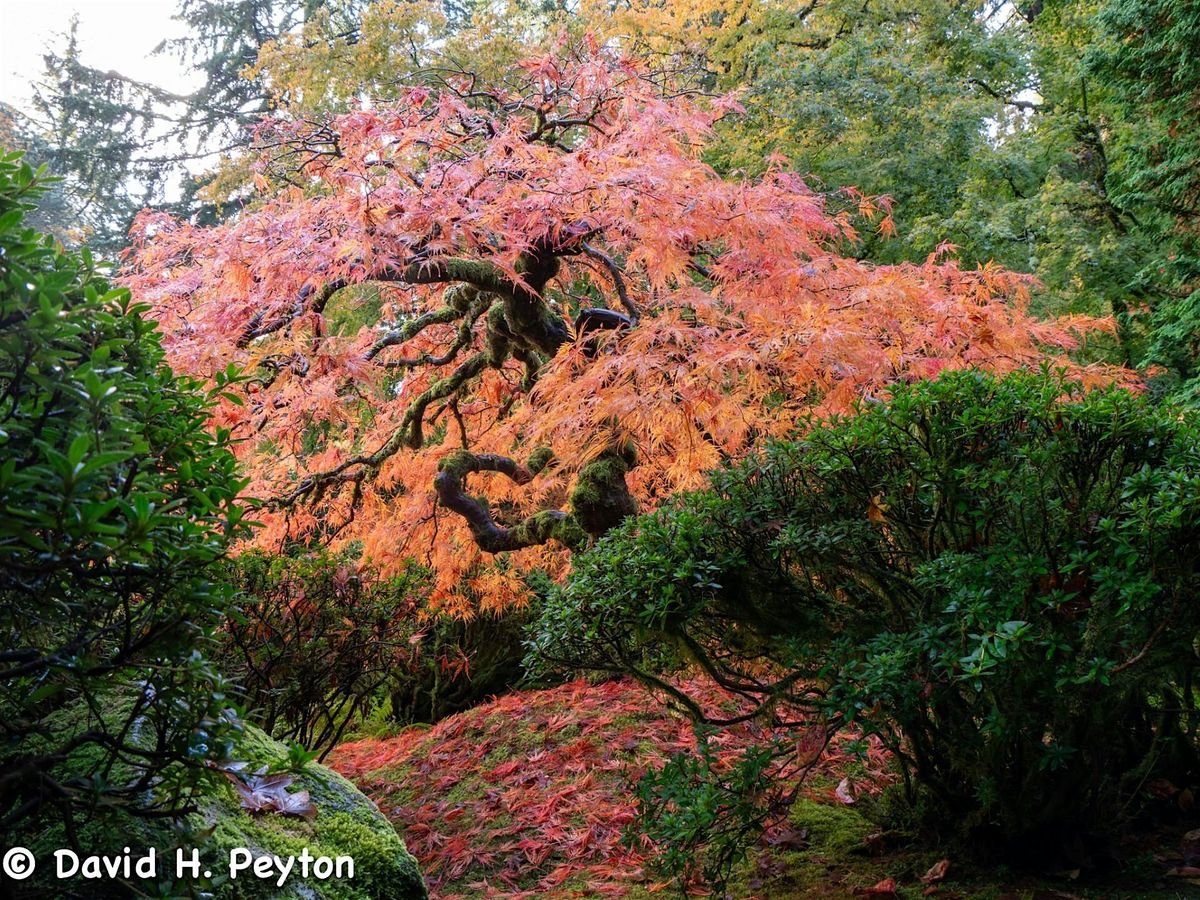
x=998, y=577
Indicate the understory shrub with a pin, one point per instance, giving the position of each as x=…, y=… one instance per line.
x=318, y=641
x=996, y=577
x=116, y=501
x=463, y=662
x=313, y=640
x=704, y=817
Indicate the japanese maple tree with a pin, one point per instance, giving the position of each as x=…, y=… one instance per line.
x=560, y=314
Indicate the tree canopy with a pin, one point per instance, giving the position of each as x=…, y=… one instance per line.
x=541, y=281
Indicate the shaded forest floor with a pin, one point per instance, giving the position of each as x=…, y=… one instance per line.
x=530, y=796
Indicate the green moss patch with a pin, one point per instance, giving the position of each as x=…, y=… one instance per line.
x=346, y=824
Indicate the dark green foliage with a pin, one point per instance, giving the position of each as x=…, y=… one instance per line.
x=115, y=502
x=703, y=818
x=222, y=40
x=1149, y=63
x=120, y=144
x=463, y=663
x=92, y=130
x=314, y=639
x=1147, y=59
x=51, y=212
x=1055, y=138
x=996, y=577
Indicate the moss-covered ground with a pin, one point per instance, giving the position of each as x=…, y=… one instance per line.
x=531, y=796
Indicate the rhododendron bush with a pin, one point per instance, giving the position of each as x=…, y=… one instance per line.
x=487, y=322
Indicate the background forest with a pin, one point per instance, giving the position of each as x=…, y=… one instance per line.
x=743, y=447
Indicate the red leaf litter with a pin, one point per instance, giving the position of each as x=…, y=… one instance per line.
x=529, y=795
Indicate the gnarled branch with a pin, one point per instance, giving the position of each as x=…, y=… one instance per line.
x=539, y=528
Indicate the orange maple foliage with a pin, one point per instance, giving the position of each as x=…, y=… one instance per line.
x=552, y=266
x=531, y=795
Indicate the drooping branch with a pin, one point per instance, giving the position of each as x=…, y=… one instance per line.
x=597, y=318
x=480, y=275
x=533, y=365
x=599, y=501
x=258, y=326
x=519, y=325
x=412, y=426
x=1007, y=100
x=410, y=433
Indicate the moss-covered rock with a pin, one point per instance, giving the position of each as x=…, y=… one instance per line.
x=346, y=824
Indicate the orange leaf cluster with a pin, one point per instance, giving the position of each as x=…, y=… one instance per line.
x=749, y=311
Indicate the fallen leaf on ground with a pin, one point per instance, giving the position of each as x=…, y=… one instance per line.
x=936, y=872
x=885, y=888
x=846, y=792
x=260, y=792
x=788, y=838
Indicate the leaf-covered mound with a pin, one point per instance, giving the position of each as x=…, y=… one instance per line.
x=530, y=795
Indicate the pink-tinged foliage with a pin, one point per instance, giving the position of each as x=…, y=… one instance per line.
x=747, y=309
x=530, y=795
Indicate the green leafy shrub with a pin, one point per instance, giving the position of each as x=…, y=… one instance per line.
x=997, y=577
x=318, y=641
x=704, y=817
x=315, y=638
x=115, y=503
